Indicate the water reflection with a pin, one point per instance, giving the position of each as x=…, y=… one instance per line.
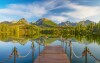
x=20, y=53
x=27, y=49
x=86, y=53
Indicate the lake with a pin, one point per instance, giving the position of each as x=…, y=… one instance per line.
x=26, y=51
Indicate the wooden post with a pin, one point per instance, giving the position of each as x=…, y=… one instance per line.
x=39, y=48
x=65, y=46
x=33, y=52
x=44, y=43
x=70, y=52
x=15, y=54
x=63, y=42
x=86, y=55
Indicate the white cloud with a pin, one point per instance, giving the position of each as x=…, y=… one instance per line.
x=94, y=18
x=31, y=10
x=41, y=9
x=58, y=19
x=82, y=11
x=24, y=11
x=5, y=18
x=56, y=4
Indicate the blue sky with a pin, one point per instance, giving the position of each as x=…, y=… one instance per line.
x=56, y=10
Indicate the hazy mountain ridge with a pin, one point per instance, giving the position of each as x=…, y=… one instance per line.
x=6, y=22
x=86, y=22
x=68, y=23
x=49, y=23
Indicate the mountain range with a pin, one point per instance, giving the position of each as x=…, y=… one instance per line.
x=68, y=23
x=45, y=22
x=49, y=23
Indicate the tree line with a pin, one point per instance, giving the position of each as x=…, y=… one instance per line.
x=30, y=29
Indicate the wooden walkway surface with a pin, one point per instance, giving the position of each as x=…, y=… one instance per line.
x=52, y=54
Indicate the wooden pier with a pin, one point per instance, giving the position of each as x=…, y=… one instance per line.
x=52, y=54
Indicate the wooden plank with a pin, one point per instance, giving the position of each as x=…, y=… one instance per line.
x=52, y=54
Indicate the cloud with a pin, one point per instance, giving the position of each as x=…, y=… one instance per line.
x=5, y=18
x=46, y=9
x=82, y=11
x=56, y=4
x=31, y=10
x=58, y=19
x=24, y=11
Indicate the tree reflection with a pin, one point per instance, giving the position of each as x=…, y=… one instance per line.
x=23, y=39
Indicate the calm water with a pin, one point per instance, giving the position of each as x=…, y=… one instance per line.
x=30, y=49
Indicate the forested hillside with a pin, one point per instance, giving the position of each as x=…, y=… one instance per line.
x=46, y=26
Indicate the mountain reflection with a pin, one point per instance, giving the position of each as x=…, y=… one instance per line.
x=24, y=39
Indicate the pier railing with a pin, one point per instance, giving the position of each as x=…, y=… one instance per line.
x=85, y=52
x=16, y=54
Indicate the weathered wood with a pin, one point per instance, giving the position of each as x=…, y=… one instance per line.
x=52, y=54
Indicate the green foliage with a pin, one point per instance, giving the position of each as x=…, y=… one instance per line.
x=22, y=31
x=22, y=27
x=49, y=24
x=46, y=23
x=3, y=27
x=22, y=21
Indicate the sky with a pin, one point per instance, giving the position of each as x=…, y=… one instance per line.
x=56, y=10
